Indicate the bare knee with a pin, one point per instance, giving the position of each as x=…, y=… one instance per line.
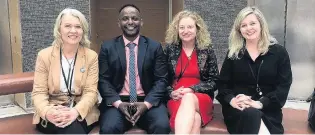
x=189, y=97
x=191, y=100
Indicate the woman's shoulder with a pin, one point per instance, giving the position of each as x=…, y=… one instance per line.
x=207, y=49
x=278, y=49
x=46, y=51
x=172, y=47
x=90, y=54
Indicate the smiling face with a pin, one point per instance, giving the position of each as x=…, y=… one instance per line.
x=130, y=22
x=250, y=28
x=187, y=29
x=71, y=30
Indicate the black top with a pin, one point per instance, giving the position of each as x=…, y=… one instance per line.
x=275, y=78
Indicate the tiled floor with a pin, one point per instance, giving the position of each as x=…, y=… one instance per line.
x=294, y=104
x=12, y=110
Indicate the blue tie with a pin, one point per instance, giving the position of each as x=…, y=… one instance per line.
x=132, y=74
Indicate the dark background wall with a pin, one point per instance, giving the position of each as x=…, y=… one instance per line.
x=219, y=16
x=38, y=17
x=37, y=22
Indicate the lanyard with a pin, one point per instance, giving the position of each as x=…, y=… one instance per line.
x=70, y=74
x=181, y=66
x=256, y=77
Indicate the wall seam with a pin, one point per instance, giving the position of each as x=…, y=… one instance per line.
x=285, y=21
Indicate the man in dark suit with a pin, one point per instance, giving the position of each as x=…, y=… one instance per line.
x=132, y=79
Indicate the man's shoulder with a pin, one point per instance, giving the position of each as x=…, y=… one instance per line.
x=150, y=41
x=111, y=41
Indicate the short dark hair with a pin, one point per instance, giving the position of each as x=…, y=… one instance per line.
x=129, y=5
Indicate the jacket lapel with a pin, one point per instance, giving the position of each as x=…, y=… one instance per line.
x=79, y=69
x=202, y=56
x=174, y=56
x=120, y=48
x=56, y=68
x=142, y=48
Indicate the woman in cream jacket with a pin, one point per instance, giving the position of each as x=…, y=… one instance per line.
x=65, y=91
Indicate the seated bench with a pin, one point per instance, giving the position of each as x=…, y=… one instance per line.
x=294, y=121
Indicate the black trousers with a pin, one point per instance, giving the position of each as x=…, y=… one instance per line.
x=76, y=127
x=242, y=122
x=248, y=121
x=154, y=121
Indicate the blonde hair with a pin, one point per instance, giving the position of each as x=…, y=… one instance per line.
x=85, y=26
x=237, y=41
x=202, y=36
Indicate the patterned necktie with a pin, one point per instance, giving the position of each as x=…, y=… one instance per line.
x=132, y=73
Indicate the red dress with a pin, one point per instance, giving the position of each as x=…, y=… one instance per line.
x=190, y=77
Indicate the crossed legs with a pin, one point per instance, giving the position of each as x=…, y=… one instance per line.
x=188, y=119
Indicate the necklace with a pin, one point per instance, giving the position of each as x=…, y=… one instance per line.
x=189, y=57
x=70, y=63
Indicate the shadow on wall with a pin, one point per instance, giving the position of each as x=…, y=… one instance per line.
x=300, y=45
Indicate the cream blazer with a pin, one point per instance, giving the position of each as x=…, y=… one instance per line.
x=46, y=89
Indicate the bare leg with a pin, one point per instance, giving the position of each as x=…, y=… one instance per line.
x=263, y=130
x=197, y=124
x=185, y=116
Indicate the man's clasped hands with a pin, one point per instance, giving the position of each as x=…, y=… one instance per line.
x=132, y=111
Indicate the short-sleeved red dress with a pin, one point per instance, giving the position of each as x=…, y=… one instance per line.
x=190, y=77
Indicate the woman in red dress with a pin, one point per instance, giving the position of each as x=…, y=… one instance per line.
x=192, y=73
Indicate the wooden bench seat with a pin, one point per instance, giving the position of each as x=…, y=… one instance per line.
x=294, y=121
x=24, y=122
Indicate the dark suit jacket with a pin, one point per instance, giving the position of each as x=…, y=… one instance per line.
x=207, y=64
x=152, y=70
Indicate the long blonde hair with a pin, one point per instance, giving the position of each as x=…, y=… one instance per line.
x=237, y=41
x=85, y=26
x=202, y=37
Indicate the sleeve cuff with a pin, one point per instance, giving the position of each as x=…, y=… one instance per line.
x=265, y=101
x=169, y=90
x=82, y=114
x=153, y=102
x=193, y=88
x=149, y=105
x=79, y=118
x=117, y=103
x=110, y=101
x=44, y=112
x=228, y=98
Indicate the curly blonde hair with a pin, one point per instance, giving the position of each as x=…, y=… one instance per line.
x=202, y=36
x=85, y=26
x=237, y=41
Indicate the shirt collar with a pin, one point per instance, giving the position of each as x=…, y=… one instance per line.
x=136, y=41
